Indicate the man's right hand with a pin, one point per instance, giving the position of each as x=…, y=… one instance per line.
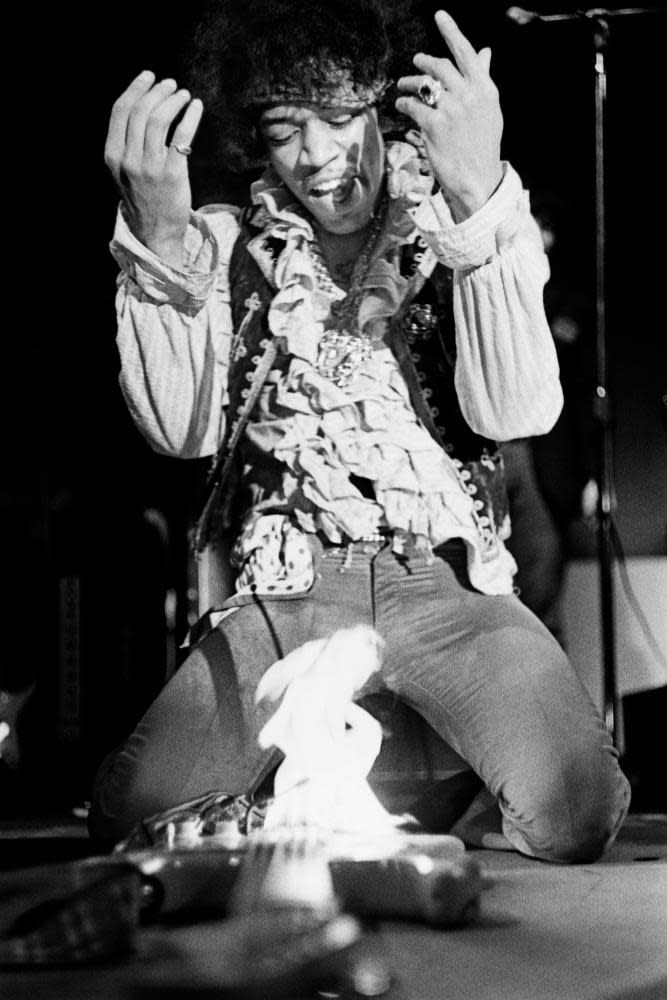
x=153, y=177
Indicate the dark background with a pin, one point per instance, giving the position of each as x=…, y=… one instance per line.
x=86, y=568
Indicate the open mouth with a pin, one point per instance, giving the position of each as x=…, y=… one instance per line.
x=339, y=189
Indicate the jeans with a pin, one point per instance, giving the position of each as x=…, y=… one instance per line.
x=482, y=670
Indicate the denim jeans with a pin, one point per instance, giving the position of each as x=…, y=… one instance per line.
x=482, y=670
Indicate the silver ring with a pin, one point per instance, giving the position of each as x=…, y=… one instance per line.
x=183, y=150
x=430, y=91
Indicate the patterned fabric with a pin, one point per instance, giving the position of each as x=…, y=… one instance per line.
x=68, y=914
x=175, y=324
x=309, y=443
x=426, y=350
x=273, y=556
x=331, y=85
x=182, y=349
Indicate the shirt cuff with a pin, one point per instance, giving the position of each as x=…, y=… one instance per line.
x=479, y=238
x=188, y=286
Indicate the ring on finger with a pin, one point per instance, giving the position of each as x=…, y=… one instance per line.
x=429, y=91
x=180, y=148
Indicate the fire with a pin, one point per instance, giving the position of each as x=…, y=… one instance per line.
x=330, y=744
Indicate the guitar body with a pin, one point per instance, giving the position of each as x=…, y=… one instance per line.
x=428, y=879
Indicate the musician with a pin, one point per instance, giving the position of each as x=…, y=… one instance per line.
x=352, y=348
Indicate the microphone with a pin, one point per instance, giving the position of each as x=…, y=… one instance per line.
x=521, y=17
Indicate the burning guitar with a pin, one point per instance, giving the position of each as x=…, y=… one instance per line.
x=327, y=854
x=294, y=878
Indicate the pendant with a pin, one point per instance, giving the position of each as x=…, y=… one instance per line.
x=341, y=355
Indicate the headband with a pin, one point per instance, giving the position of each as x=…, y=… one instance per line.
x=327, y=84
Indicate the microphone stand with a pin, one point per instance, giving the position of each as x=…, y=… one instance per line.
x=598, y=20
x=613, y=705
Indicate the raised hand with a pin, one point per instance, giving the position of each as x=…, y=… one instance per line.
x=462, y=130
x=153, y=177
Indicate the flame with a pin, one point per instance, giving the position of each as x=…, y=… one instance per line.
x=330, y=744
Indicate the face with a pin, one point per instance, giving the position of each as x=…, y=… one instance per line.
x=331, y=159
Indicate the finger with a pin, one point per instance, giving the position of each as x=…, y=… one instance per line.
x=136, y=123
x=458, y=44
x=445, y=102
x=484, y=58
x=159, y=120
x=184, y=132
x=416, y=109
x=445, y=72
x=115, y=141
x=415, y=138
x=442, y=69
x=410, y=84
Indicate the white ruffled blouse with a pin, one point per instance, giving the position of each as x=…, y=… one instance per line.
x=174, y=339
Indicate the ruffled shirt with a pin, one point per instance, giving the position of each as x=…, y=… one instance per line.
x=307, y=436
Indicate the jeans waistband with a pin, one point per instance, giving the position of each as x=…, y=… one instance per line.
x=452, y=551
x=373, y=542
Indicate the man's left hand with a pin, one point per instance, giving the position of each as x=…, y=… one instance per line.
x=462, y=131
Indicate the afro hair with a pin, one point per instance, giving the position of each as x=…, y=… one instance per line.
x=244, y=46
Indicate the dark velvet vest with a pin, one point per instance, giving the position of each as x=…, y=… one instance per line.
x=423, y=342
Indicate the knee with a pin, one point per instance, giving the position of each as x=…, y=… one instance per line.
x=116, y=802
x=593, y=827
x=576, y=824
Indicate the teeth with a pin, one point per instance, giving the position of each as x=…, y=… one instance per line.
x=326, y=186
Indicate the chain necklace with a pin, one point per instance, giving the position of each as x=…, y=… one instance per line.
x=344, y=348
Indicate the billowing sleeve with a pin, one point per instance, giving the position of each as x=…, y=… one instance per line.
x=174, y=334
x=507, y=376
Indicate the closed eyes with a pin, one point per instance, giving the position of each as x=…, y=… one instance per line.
x=280, y=134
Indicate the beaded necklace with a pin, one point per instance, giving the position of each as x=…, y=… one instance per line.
x=344, y=348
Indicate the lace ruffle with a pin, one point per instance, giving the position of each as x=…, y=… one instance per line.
x=323, y=434
x=299, y=309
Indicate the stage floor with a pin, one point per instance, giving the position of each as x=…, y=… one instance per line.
x=545, y=932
